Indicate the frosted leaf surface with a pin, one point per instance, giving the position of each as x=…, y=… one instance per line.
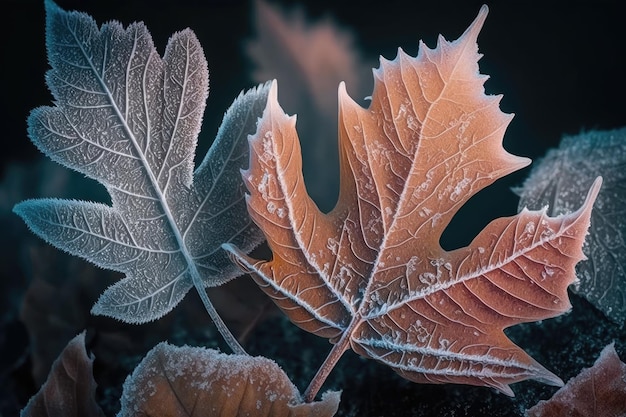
x=129, y=119
x=596, y=391
x=560, y=180
x=199, y=382
x=371, y=274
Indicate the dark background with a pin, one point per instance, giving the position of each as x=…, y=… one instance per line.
x=559, y=64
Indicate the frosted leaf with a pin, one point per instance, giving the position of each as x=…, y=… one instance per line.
x=400, y=188
x=560, y=181
x=596, y=391
x=130, y=119
x=70, y=386
x=181, y=381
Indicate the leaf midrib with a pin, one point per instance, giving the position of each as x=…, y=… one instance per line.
x=191, y=267
x=473, y=275
x=361, y=314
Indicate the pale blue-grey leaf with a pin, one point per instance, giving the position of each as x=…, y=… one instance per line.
x=130, y=119
x=561, y=180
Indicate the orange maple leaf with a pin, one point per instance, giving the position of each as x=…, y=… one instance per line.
x=371, y=275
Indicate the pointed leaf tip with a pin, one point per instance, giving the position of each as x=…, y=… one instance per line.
x=342, y=94
x=593, y=193
x=50, y=5
x=480, y=18
x=273, y=94
x=474, y=28
x=273, y=105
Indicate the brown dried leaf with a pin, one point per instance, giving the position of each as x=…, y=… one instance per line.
x=310, y=59
x=55, y=308
x=599, y=391
x=198, y=382
x=371, y=275
x=70, y=389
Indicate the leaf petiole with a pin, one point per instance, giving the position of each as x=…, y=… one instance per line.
x=229, y=338
x=329, y=363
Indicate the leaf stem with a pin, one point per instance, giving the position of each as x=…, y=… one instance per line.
x=230, y=339
x=329, y=363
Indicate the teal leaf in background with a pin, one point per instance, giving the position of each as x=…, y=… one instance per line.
x=130, y=119
x=560, y=180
